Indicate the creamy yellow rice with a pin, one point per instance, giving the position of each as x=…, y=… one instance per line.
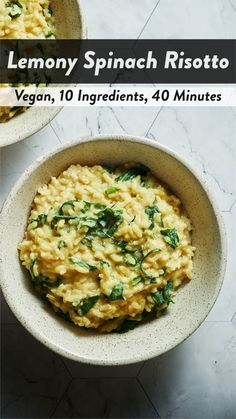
x=24, y=19
x=107, y=247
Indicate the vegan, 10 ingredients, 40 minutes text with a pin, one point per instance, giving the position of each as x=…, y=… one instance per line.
x=107, y=247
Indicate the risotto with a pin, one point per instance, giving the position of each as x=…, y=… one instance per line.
x=107, y=247
x=24, y=19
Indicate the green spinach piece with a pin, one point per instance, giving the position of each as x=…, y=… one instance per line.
x=136, y=280
x=117, y=293
x=132, y=258
x=49, y=34
x=65, y=205
x=65, y=316
x=42, y=280
x=38, y=222
x=151, y=211
x=61, y=244
x=130, y=174
x=87, y=206
x=16, y=8
x=145, y=185
x=86, y=304
x=164, y=295
x=171, y=237
x=82, y=264
x=161, y=222
x=104, y=263
x=99, y=206
x=88, y=222
x=108, y=221
x=111, y=190
x=42, y=219
x=109, y=169
x=121, y=244
x=126, y=326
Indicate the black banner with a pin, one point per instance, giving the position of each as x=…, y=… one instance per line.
x=117, y=61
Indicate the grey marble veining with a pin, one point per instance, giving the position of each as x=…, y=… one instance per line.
x=117, y=19
x=33, y=378
x=188, y=19
x=197, y=379
x=111, y=399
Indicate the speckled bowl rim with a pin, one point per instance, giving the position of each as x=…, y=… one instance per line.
x=48, y=116
x=50, y=112
x=220, y=223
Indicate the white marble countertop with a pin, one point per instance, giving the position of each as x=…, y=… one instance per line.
x=198, y=378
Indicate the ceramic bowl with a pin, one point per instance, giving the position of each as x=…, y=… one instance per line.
x=69, y=25
x=192, y=302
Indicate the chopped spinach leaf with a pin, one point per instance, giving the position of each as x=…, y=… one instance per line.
x=171, y=237
x=149, y=314
x=130, y=174
x=161, y=222
x=126, y=326
x=153, y=281
x=88, y=222
x=132, y=258
x=99, y=206
x=41, y=280
x=117, y=293
x=138, y=254
x=51, y=283
x=111, y=190
x=136, y=280
x=82, y=264
x=87, y=240
x=49, y=34
x=151, y=211
x=145, y=185
x=64, y=208
x=65, y=316
x=109, y=169
x=16, y=8
x=121, y=244
x=38, y=222
x=162, y=271
x=42, y=219
x=129, y=259
x=107, y=224
x=132, y=220
x=104, y=263
x=87, y=206
x=163, y=296
x=32, y=225
x=86, y=304
x=61, y=244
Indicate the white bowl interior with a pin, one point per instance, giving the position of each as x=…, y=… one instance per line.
x=192, y=302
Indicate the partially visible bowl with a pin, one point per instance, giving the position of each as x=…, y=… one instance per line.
x=69, y=25
x=192, y=302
